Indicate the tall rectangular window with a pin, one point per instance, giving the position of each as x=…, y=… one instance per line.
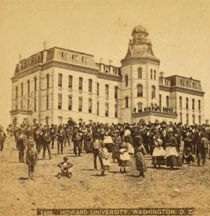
x=154, y=74
x=16, y=92
x=199, y=105
x=106, y=109
x=98, y=108
x=180, y=102
x=21, y=104
x=180, y=115
x=90, y=83
x=35, y=83
x=151, y=72
x=59, y=101
x=28, y=104
x=187, y=103
x=140, y=73
x=107, y=91
x=193, y=119
x=199, y=119
x=70, y=103
x=160, y=100
x=80, y=83
x=115, y=110
x=116, y=92
x=48, y=81
x=60, y=77
x=187, y=118
x=90, y=105
x=80, y=104
x=47, y=101
x=70, y=82
x=98, y=89
x=34, y=103
x=21, y=89
x=126, y=80
x=28, y=83
x=167, y=101
x=193, y=104
x=126, y=102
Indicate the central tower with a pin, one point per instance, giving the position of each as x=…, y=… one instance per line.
x=140, y=75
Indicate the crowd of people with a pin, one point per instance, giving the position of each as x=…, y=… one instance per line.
x=169, y=145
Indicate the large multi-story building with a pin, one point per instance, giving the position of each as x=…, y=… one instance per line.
x=56, y=84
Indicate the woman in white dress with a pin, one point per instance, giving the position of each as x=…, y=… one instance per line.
x=159, y=154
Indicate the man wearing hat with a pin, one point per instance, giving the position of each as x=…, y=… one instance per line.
x=77, y=140
x=21, y=145
x=60, y=139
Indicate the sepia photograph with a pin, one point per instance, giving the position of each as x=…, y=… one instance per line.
x=105, y=107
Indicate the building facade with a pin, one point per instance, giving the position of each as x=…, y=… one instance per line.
x=57, y=84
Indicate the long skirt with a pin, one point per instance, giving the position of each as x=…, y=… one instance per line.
x=172, y=155
x=158, y=160
x=123, y=162
x=158, y=156
x=171, y=161
x=140, y=162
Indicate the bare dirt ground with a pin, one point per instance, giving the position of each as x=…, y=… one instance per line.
x=185, y=187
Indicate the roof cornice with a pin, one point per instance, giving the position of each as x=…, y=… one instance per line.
x=180, y=89
x=136, y=60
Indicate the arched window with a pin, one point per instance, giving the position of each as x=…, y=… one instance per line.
x=140, y=73
x=140, y=106
x=126, y=80
x=153, y=95
x=139, y=90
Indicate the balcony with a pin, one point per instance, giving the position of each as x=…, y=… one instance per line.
x=167, y=112
x=24, y=112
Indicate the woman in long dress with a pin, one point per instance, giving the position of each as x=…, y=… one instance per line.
x=140, y=151
x=171, y=152
x=158, y=155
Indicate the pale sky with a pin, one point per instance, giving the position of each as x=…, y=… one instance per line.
x=179, y=30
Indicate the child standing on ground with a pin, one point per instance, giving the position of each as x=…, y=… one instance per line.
x=104, y=156
x=31, y=157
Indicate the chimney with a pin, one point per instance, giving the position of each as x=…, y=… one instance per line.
x=110, y=66
x=161, y=74
x=45, y=45
x=20, y=57
x=45, y=52
x=101, y=61
x=110, y=62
